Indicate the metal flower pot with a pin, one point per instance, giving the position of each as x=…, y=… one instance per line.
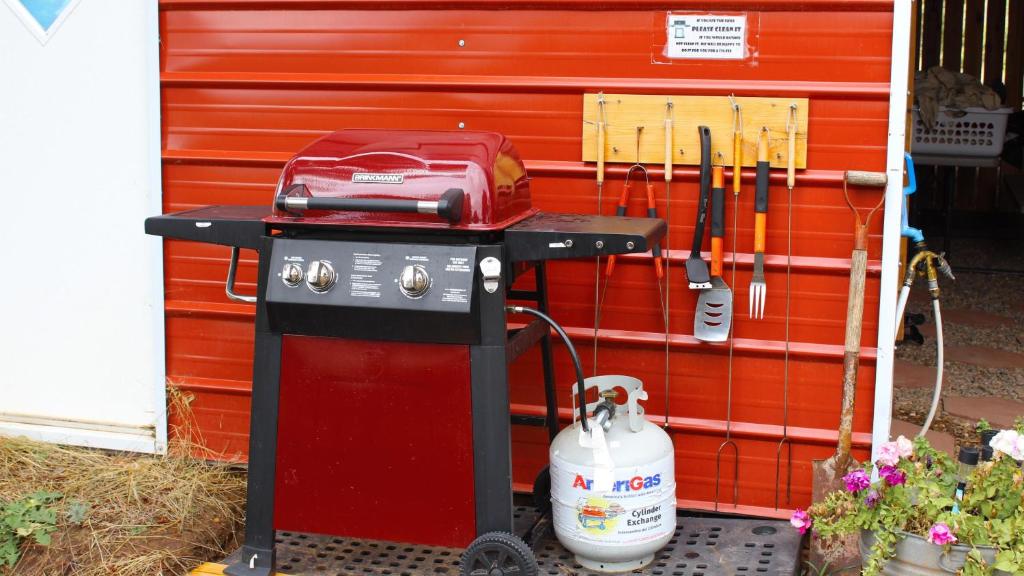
x=916, y=556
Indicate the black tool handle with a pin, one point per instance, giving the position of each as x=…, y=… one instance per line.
x=761, y=189
x=718, y=212
x=448, y=206
x=705, y=188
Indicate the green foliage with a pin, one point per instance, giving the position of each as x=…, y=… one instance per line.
x=31, y=517
x=991, y=513
x=77, y=511
x=982, y=426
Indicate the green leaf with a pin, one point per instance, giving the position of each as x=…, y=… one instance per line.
x=77, y=511
x=1005, y=561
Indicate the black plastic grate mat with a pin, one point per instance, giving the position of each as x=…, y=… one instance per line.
x=701, y=547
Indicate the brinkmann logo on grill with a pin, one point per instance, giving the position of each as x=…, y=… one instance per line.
x=371, y=178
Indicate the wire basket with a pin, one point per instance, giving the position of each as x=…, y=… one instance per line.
x=966, y=132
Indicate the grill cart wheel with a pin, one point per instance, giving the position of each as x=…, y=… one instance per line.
x=498, y=554
x=542, y=490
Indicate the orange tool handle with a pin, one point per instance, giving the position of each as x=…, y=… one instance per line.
x=609, y=266
x=717, y=218
x=620, y=210
x=623, y=199
x=761, y=191
x=652, y=212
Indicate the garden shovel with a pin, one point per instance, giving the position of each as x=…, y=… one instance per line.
x=828, y=474
x=714, y=306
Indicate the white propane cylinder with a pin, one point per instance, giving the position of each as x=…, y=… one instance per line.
x=613, y=493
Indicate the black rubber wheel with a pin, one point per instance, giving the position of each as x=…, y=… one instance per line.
x=498, y=554
x=542, y=491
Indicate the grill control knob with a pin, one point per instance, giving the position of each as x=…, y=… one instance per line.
x=414, y=281
x=292, y=274
x=320, y=276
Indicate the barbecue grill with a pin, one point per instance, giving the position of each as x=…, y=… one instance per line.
x=380, y=404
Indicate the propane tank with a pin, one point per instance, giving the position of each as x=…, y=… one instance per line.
x=613, y=490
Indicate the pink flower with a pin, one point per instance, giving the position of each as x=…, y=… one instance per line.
x=801, y=520
x=893, y=476
x=888, y=454
x=904, y=447
x=857, y=480
x=940, y=534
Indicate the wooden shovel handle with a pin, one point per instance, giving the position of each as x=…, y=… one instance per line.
x=851, y=351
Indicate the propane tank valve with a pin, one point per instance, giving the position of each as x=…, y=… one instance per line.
x=606, y=409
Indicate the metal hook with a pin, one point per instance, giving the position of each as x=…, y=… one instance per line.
x=737, y=117
x=792, y=116
x=789, y=462
x=637, y=165
x=736, y=473
x=639, y=130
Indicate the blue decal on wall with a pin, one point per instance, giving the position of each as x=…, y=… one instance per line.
x=42, y=17
x=45, y=12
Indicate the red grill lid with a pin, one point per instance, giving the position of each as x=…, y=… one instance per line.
x=414, y=165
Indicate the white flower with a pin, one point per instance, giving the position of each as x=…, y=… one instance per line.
x=904, y=447
x=1009, y=442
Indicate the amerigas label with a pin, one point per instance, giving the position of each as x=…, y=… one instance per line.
x=638, y=506
x=706, y=36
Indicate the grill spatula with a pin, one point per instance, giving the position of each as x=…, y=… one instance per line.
x=696, y=267
x=714, y=307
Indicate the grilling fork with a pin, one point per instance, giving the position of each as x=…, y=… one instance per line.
x=758, y=288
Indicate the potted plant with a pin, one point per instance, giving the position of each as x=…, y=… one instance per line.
x=913, y=520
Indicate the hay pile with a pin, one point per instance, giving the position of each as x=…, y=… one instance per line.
x=124, y=514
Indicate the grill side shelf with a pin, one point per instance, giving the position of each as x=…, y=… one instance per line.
x=548, y=236
x=240, y=226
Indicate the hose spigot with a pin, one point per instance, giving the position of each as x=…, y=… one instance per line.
x=944, y=267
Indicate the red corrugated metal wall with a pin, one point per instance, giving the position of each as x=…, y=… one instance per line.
x=245, y=83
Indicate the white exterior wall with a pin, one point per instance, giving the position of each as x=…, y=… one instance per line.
x=81, y=308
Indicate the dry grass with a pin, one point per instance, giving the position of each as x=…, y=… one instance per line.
x=144, y=515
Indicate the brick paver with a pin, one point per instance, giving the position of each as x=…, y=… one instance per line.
x=1000, y=412
x=985, y=357
x=908, y=374
x=938, y=440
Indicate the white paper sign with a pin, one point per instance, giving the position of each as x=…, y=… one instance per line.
x=706, y=37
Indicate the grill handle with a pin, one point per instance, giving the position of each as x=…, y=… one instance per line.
x=449, y=206
x=229, y=286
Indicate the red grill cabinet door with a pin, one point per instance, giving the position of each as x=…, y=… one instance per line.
x=375, y=441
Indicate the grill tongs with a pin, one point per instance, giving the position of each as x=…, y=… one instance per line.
x=296, y=199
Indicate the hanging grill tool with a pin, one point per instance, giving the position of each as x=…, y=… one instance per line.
x=758, y=289
x=737, y=159
x=382, y=339
x=714, y=306
x=791, y=125
x=652, y=212
x=668, y=253
x=696, y=267
x=601, y=127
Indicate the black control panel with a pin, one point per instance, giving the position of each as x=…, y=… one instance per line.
x=381, y=290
